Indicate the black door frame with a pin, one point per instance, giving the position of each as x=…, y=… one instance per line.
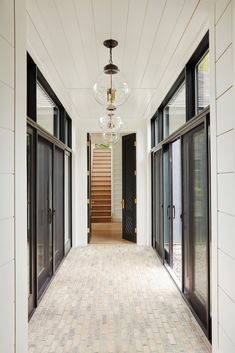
x=37, y=130
x=89, y=201
x=32, y=219
x=202, y=313
x=68, y=244
x=157, y=227
x=133, y=236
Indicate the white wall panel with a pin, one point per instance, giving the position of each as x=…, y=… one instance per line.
x=223, y=304
x=226, y=193
x=226, y=315
x=7, y=151
x=226, y=238
x=7, y=196
x=226, y=267
x=220, y=8
x=7, y=62
x=7, y=308
x=21, y=270
x=225, y=146
x=7, y=108
x=7, y=20
x=224, y=68
x=225, y=344
x=224, y=32
x=6, y=240
x=225, y=112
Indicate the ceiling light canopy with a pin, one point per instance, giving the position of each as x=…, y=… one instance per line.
x=111, y=88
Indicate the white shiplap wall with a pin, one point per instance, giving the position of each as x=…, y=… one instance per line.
x=225, y=140
x=7, y=288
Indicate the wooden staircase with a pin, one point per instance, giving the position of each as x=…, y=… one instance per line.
x=101, y=209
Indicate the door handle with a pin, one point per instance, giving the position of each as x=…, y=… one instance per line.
x=51, y=214
x=123, y=203
x=173, y=209
x=167, y=212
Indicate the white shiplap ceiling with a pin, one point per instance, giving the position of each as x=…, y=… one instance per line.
x=155, y=39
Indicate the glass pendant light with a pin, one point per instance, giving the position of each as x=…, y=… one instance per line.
x=110, y=123
x=111, y=88
x=111, y=137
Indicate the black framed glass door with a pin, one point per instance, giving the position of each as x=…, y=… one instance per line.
x=176, y=210
x=129, y=187
x=166, y=204
x=67, y=202
x=172, y=208
x=58, y=205
x=44, y=212
x=157, y=201
x=196, y=224
x=89, y=224
x=30, y=220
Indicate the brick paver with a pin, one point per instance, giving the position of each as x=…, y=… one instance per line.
x=114, y=299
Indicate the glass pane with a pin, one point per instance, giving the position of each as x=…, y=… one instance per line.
x=166, y=198
x=156, y=126
x=66, y=199
x=59, y=204
x=203, y=83
x=47, y=112
x=68, y=205
x=176, y=209
x=66, y=131
x=42, y=210
x=174, y=113
x=29, y=228
x=44, y=200
x=157, y=190
x=200, y=232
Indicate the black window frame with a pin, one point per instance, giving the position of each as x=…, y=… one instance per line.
x=187, y=75
x=159, y=113
x=176, y=86
x=191, y=86
x=35, y=76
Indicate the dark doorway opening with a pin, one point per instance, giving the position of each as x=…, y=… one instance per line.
x=111, y=182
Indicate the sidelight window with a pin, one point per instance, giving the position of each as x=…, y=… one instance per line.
x=47, y=112
x=174, y=113
x=202, y=72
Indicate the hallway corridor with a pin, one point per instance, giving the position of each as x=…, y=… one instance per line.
x=114, y=299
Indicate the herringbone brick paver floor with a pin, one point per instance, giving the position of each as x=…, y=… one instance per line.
x=114, y=299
